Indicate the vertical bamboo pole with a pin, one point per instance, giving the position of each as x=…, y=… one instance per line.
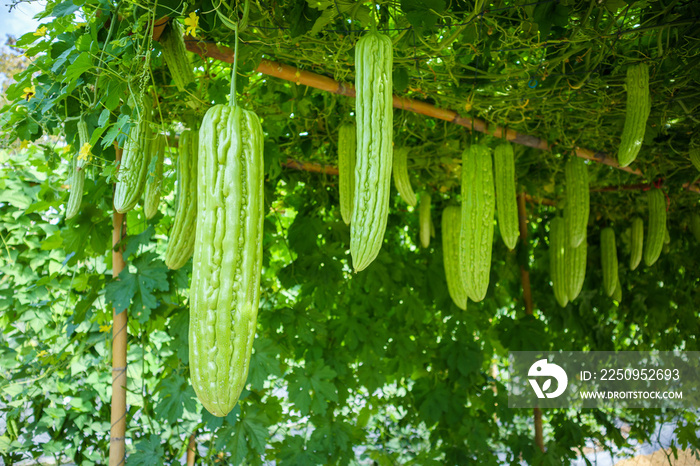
x=192, y=449
x=117, y=439
x=527, y=297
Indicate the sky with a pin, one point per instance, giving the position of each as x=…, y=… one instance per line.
x=19, y=21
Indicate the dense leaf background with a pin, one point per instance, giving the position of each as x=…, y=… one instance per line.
x=378, y=366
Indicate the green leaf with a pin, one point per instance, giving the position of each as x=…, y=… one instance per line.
x=78, y=67
x=138, y=288
x=64, y=9
x=310, y=389
x=422, y=14
x=146, y=450
x=175, y=395
x=263, y=363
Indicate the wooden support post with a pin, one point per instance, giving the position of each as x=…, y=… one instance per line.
x=192, y=449
x=117, y=440
x=527, y=298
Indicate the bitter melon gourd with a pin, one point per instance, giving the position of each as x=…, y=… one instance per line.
x=636, y=242
x=225, y=290
x=346, y=169
x=695, y=226
x=154, y=182
x=401, y=180
x=575, y=259
x=657, y=226
x=77, y=176
x=181, y=240
x=374, y=108
x=506, y=201
x=175, y=55
x=557, y=260
x=454, y=269
x=131, y=178
x=577, y=201
x=636, y=113
x=608, y=259
x=478, y=205
x=424, y=219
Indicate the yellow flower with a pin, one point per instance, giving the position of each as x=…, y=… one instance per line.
x=42, y=353
x=40, y=32
x=80, y=25
x=85, y=152
x=24, y=144
x=192, y=22
x=29, y=92
x=105, y=328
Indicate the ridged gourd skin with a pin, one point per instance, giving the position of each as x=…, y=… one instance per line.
x=374, y=119
x=636, y=113
x=478, y=208
x=181, y=239
x=608, y=259
x=424, y=219
x=225, y=291
x=575, y=268
x=346, y=169
x=657, y=226
x=506, y=200
x=175, y=54
x=77, y=175
x=83, y=138
x=133, y=169
x=636, y=242
x=695, y=226
x=617, y=294
x=577, y=201
x=154, y=181
x=455, y=272
x=557, y=260
x=401, y=179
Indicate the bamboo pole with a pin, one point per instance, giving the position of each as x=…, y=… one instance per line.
x=192, y=449
x=117, y=435
x=527, y=298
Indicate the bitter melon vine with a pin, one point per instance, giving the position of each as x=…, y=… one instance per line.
x=374, y=108
x=478, y=206
x=506, y=201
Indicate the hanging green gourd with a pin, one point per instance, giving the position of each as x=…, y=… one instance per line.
x=374, y=109
x=225, y=291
